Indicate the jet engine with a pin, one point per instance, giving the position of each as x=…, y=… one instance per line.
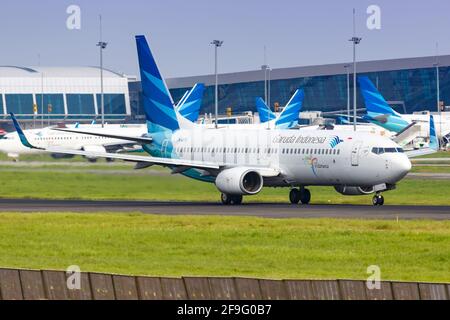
x=239, y=181
x=354, y=191
x=98, y=149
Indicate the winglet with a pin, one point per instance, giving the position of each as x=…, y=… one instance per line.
x=434, y=142
x=21, y=134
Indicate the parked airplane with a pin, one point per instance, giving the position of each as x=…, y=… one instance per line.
x=243, y=161
x=379, y=112
x=47, y=137
x=288, y=118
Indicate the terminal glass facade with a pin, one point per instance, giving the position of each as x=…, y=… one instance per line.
x=19, y=103
x=114, y=104
x=80, y=104
x=407, y=90
x=53, y=104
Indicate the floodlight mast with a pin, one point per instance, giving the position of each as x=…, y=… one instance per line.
x=356, y=40
x=102, y=45
x=217, y=44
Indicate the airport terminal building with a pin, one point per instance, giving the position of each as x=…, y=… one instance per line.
x=408, y=84
x=58, y=94
x=73, y=93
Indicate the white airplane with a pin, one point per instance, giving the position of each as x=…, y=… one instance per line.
x=381, y=113
x=243, y=161
x=48, y=137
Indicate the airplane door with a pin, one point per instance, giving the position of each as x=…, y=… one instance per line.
x=355, y=153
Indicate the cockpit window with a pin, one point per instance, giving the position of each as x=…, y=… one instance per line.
x=387, y=150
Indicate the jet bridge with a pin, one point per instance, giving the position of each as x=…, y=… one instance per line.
x=408, y=135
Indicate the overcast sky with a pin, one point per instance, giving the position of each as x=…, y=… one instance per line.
x=296, y=33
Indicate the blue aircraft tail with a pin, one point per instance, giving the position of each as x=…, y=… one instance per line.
x=189, y=107
x=375, y=102
x=158, y=105
x=434, y=142
x=265, y=114
x=289, y=117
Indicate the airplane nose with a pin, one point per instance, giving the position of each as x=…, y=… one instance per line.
x=402, y=166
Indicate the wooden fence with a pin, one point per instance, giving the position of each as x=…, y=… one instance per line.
x=52, y=285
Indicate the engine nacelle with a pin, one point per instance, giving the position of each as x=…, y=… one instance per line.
x=354, y=191
x=239, y=181
x=98, y=149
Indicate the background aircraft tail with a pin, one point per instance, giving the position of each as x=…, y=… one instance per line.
x=375, y=102
x=289, y=117
x=265, y=114
x=434, y=141
x=158, y=103
x=189, y=107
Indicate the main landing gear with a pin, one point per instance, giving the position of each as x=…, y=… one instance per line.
x=378, y=200
x=228, y=199
x=300, y=195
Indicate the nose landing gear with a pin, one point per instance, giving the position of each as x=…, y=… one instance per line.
x=378, y=200
x=300, y=195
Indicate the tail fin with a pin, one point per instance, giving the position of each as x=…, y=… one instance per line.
x=375, y=102
x=289, y=117
x=183, y=98
x=158, y=104
x=265, y=114
x=189, y=107
x=434, y=142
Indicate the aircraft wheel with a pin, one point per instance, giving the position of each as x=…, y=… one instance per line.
x=294, y=196
x=378, y=200
x=305, y=196
x=226, y=199
x=236, y=200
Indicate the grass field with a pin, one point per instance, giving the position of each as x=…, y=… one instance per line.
x=43, y=184
x=221, y=246
x=440, y=154
x=431, y=169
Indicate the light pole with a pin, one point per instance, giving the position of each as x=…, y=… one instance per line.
x=438, y=90
x=102, y=45
x=347, y=68
x=217, y=44
x=356, y=40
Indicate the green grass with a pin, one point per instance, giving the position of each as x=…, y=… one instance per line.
x=440, y=154
x=226, y=246
x=22, y=183
x=431, y=169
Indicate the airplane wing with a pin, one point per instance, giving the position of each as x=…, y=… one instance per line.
x=140, y=159
x=140, y=140
x=433, y=145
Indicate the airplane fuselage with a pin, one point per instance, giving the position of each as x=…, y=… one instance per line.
x=303, y=157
